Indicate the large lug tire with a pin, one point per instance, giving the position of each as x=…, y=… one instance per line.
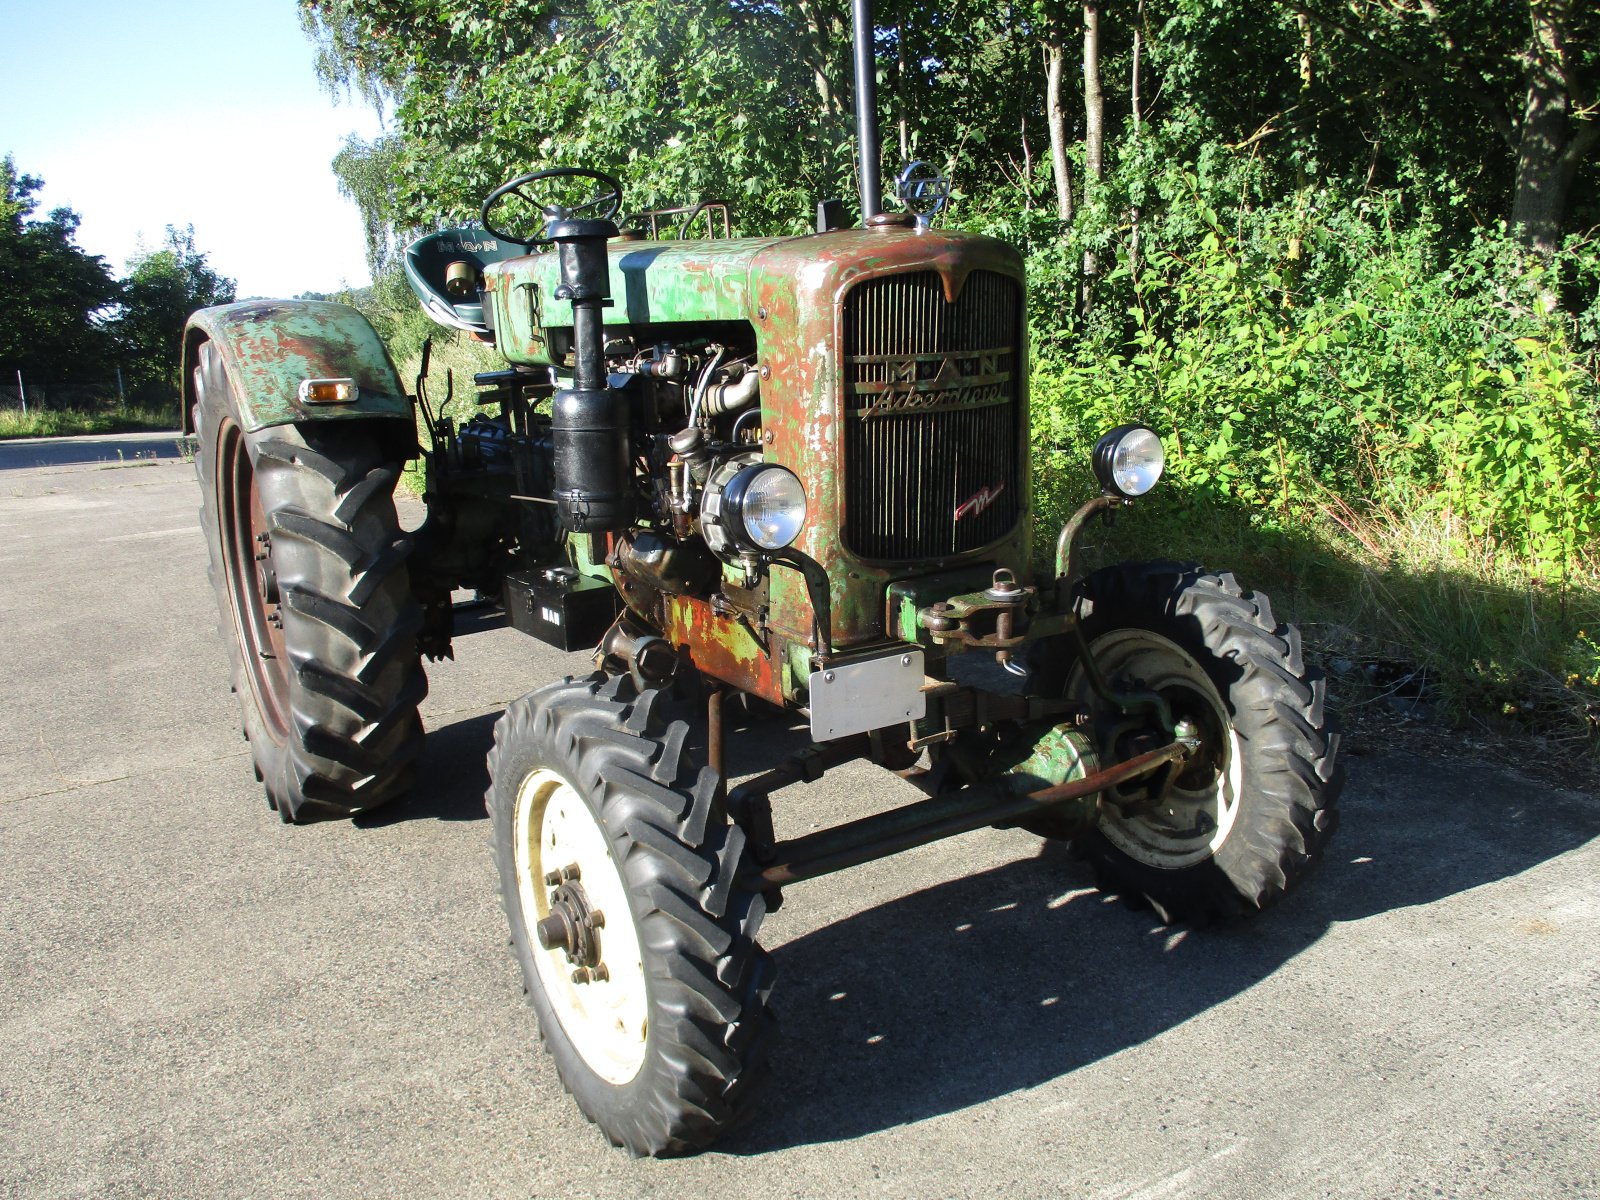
x=656, y=1014
x=309, y=566
x=1252, y=811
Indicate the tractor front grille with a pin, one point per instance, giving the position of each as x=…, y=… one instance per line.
x=932, y=440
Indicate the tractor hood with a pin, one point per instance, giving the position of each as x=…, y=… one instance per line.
x=652, y=284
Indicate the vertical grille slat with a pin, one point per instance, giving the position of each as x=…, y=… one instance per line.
x=931, y=410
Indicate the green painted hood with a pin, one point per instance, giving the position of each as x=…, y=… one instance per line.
x=652, y=283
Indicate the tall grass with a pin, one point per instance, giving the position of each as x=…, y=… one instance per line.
x=52, y=422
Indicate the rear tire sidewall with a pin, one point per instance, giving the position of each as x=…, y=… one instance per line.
x=349, y=729
x=217, y=423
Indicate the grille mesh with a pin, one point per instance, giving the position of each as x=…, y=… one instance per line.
x=931, y=415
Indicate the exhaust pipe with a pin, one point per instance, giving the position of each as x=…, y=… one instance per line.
x=867, y=111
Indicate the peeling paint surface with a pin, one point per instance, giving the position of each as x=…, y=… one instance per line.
x=800, y=283
x=270, y=346
x=652, y=283
x=725, y=648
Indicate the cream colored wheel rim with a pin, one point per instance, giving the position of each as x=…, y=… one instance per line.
x=606, y=1020
x=1196, y=816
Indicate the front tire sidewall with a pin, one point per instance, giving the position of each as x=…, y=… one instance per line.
x=666, y=833
x=608, y=1102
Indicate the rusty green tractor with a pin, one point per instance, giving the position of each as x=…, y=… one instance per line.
x=763, y=479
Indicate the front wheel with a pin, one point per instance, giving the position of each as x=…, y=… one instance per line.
x=618, y=871
x=1251, y=810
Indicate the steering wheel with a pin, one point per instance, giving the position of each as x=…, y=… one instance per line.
x=609, y=200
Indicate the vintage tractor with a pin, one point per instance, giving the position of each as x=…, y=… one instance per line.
x=770, y=475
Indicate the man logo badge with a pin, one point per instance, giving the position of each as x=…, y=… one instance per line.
x=979, y=500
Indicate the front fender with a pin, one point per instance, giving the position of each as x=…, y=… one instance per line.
x=269, y=346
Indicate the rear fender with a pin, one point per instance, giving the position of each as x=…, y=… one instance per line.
x=269, y=347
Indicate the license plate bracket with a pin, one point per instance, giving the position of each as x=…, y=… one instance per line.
x=867, y=694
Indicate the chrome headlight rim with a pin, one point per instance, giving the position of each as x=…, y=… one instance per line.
x=736, y=496
x=1112, y=466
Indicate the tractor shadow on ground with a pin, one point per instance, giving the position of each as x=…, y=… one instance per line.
x=976, y=988
x=451, y=777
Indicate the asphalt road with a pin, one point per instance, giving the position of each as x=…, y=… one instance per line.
x=116, y=449
x=198, y=1001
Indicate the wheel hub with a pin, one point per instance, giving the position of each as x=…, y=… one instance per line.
x=573, y=926
x=266, y=576
x=1181, y=815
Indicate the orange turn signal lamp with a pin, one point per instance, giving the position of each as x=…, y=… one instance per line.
x=328, y=391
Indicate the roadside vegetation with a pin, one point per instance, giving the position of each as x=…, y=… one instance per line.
x=71, y=422
x=1344, y=257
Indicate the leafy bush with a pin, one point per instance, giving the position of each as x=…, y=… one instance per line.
x=1460, y=391
x=1398, y=440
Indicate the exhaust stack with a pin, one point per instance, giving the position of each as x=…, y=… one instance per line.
x=867, y=111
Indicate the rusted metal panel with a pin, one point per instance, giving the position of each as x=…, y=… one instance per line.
x=791, y=293
x=725, y=648
x=269, y=347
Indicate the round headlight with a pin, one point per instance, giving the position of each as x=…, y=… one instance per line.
x=767, y=506
x=1128, y=460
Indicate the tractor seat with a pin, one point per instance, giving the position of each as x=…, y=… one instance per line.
x=445, y=270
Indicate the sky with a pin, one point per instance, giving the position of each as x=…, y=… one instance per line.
x=140, y=114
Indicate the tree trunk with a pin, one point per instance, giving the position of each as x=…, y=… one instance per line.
x=900, y=93
x=1094, y=108
x=1304, y=22
x=1136, y=99
x=1055, y=61
x=1094, y=131
x=821, y=35
x=1296, y=242
x=1548, y=152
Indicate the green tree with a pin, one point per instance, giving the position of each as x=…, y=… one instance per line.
x=55, y=292
x=162, y=288
x=1516, y=74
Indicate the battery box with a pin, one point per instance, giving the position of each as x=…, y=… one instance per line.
x=559, y=606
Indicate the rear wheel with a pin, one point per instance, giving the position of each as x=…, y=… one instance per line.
x=308, y=563
x=1251, y=810
x=617, y=871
